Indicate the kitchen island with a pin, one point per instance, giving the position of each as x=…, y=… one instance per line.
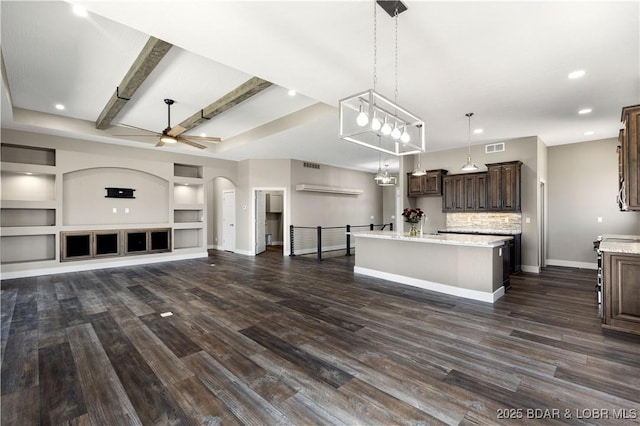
x=469, y=266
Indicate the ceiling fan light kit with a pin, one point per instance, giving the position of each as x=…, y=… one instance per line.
x=367, y=118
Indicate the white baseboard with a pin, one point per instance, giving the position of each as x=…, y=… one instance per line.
x=111, y=263
x=433, y=286
x=530, y=268
x=572, y=264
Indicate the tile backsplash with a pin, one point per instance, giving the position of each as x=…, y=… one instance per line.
x=506, y=221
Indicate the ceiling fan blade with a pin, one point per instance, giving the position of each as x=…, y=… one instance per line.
x=213, y=139
x=137, y=136
x=138, y=128
x=191, y=143
x=160, y=143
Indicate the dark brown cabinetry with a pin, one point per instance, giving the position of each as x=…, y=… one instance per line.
x=464, y=192
x=475, y=192
x=504, y=186
x=453, y=193
x=629, y=184
x=621, y=298
x=426, y=185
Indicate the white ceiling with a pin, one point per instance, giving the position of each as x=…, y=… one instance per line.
x=505, y=61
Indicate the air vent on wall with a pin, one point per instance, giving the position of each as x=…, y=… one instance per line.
x=311, y=165
x=494, y=147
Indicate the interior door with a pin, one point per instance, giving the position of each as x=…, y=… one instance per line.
x=261, y=221
x=229, y=220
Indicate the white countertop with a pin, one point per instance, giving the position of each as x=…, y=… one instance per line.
x=614, y=243
x=483, y=231
x=450, y=239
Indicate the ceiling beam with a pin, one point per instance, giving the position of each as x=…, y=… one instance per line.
x=151, y=54
x=249, y=88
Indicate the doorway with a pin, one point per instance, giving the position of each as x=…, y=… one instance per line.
x=269, y=220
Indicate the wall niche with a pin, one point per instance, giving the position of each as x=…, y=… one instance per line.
x=84, y=201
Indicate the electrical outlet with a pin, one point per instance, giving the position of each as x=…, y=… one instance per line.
x=599, y=220
x=528, y=220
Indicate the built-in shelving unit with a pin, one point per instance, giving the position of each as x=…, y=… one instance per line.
x=188, y=206
x=29, y=205
x=57, y=212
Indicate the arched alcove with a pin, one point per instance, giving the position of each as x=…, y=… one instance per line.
x=85, y=202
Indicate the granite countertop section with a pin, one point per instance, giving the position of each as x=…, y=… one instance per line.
x=613, y=243
x=450, y=239
x=486, y=231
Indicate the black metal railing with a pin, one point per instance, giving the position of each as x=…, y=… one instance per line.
x=305, y=240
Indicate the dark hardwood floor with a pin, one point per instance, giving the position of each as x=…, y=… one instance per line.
x=277, y=340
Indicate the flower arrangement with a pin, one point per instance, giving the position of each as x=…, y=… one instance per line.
x=413, y=215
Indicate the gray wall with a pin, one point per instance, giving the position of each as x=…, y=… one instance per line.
x=322, y=209
x=582, y=186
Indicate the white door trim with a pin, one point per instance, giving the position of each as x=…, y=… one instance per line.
x=285, y=216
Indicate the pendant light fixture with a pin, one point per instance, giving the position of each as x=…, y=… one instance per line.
x=419, y=171
x=383, y=177
x=368, y=115
x=469, y=167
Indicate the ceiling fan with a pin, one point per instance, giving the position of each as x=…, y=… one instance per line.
x=166, y=138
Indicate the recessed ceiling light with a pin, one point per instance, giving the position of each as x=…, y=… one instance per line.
x=203, y=135
x=80, y=11
x=478, y=131
x=577, y=74
x=589, y=133
x=28, y=173
x=59, y=107
x=585, y=111
x=291, y=92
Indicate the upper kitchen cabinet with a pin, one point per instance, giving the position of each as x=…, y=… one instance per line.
x=465, y=192
x=475, y=192
x=504, y=186
x=453, y=196
x=426, y=185
x=629, y=189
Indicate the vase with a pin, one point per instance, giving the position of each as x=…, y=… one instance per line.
x=413, y=230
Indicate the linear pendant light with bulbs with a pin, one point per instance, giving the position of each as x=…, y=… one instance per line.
x=368, y=115
x=469, y=166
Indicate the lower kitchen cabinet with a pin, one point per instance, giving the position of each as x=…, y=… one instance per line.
x=621, y=292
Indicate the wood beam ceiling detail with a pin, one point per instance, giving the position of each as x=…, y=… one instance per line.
x=149, y=57
x=246, y=90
